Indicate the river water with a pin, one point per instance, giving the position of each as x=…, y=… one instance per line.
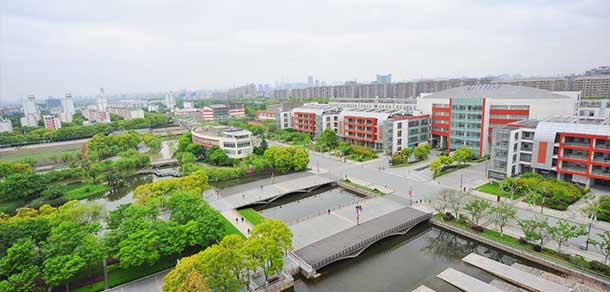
x=403, y=263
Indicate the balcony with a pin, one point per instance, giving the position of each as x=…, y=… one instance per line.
x=577, y=142
x=575, y=154
x=603, y=144
x=601, y=171
x=576, y=167
x=601, y=157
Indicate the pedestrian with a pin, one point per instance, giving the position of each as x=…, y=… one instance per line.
x=248, y=230
x=328, y=211
x=243, y=196
x=261, y=187
x=236, y=220
x=242, y=219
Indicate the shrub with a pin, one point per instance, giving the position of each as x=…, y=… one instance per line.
x=537, y=248
x=522, y=240
x=448, y=217
x=478, y=228
x=600, y=267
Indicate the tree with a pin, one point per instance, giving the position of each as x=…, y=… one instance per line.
x=140, y=247
x=186, y=160
x=22, y=255
x=563, y=231
x=477, y=208
x=328, y=140
x=436, y=167
x=511, y=186
x=457, y=199
x=445, y=160
x=535, y=229
x=260, y=150
x=217, y=265
x=406, y=153
x=463, y=154
x=441, y=201
x=421, y=152
x=603, y=244
x=502, y=214
x=194, y=282
x=345, y=148
x=217, y=156
x=61, y=269
x=397, y=158
x=276, y=230
x=177, y=276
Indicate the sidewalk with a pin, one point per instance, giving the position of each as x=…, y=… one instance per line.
x=243, y=227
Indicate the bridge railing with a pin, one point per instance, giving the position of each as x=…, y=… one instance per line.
x=360, y=245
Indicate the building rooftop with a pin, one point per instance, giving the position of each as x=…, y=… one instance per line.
x=524, y=124
x=580, y=120
x=495, y=91
x=217, y=106
x=317, y=108
x=219, y=131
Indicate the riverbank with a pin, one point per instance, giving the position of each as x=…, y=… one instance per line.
x=512, y=246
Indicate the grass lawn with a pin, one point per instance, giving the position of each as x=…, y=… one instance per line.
x=82, y=191
x=493, y=188
x=359, y=158
x=251, y=215
x=119, y=276
x=375, y=191
x=565, y=259
x=40, y=154
x=10, y=207
x=229, y=228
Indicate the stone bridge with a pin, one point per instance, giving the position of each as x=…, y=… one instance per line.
x=353, y=241
x=160, y=172
x=164, y=163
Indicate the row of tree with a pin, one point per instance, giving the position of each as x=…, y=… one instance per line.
x=70, y=132
x=233, y=263
x=421, y=152
x=502, y=214
x=460, y=156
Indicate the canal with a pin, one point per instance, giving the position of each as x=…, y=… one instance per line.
x=405, y=262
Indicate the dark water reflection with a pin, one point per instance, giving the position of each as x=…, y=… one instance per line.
x=403, y=263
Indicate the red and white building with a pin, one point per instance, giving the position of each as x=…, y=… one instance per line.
x=51, y=122
x=576, y=149
x=222, y=111
x=314, y=118
x=387, y=130
x=467, y=115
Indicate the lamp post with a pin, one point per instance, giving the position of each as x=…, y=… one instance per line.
x=410, y=195
x=592, y=217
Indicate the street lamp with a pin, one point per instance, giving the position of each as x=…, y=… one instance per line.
x=592, y=216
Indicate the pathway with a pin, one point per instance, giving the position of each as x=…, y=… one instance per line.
x=244, y=226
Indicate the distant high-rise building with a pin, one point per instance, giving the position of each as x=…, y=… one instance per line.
x=101, y=101
x=601, y=70
x=67, y=104
x=310, y=80
x=384, y=78
x=317, y=82
x=169, y=101
x=29, y=106
x=51, y=122
x=6, y=126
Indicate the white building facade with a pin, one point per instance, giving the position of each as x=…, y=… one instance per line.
x=236, y=143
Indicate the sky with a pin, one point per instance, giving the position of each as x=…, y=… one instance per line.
x=48, y=48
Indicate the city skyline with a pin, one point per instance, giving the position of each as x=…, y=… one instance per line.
x=64, y=48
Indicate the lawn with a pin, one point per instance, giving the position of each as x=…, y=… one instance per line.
x=360, y=158
x=493, y=188
x=119, y=276
x=375, y=191
x=229, y=228
x=82, y=191
x=562, y=258
x=251, y=215
x=40, y=154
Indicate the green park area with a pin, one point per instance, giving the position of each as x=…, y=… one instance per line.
x=43, y=156
x=252, y=216
x=79, y=192
x=556, y=194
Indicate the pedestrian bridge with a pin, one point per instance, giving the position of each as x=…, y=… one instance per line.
x=353, y=241
x=160, y=172
x=265, y=194
x=164, y=163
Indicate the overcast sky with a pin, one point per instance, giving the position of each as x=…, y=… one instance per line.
x=52, y=47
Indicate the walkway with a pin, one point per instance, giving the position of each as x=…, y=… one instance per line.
x=262, y=194
x=515, y=276
x=243, y=226
x=465, y=282
x=351, y=242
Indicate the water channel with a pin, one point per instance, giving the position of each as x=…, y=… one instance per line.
x=403, y=263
